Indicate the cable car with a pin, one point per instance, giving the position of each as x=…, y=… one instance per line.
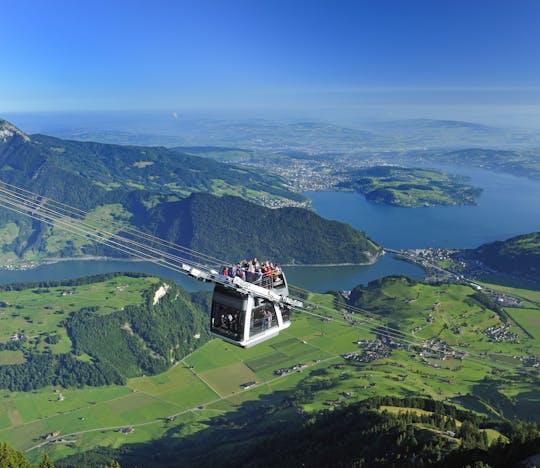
x=244, y=313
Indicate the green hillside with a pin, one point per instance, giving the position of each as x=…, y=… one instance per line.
x=411, y=188
x=519, y=255
x=231, y=228
x=154, y=169
x=94, y=331
x=150, y=188
x=335, y=369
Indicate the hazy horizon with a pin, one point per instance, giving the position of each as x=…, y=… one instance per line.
x=342, y=62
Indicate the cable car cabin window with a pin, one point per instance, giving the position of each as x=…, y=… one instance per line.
x=227, y=321
x=285, y=314
x=263, y=317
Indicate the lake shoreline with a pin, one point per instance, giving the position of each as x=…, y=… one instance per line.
x=96, y=258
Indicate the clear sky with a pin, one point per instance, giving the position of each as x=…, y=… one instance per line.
x=268, y=54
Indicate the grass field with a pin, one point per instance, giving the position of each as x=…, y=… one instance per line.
x=529, y=294
x=208, y=383
x=37, y=312
x=528, y=318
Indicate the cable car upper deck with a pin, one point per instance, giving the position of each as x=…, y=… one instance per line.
x=273, y=289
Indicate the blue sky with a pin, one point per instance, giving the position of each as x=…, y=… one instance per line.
x=269, y=54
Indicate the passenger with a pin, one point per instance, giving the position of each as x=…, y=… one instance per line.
x=268, y=269
x=250, y=274
x=241, y=274
x=258, y=276
x=225, y=271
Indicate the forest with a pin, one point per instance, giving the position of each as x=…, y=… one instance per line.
x=425, y=433
x=106, y=349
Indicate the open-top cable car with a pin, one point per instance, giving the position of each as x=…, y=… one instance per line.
x=244, y=313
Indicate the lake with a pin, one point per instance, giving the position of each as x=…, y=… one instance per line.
x=507, y=207
x=317, y=279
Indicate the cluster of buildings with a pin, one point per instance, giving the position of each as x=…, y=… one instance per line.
x=285, y=370
x=439, y=349
x=500, y=333
x=126, y=430
x=275, y=202
x=371, y=350
x=247, y=385
x=531, y=360
x=17, y=337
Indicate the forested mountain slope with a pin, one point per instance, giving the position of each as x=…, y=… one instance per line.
x=147, y=188
x=96, y=331
x=517, y=255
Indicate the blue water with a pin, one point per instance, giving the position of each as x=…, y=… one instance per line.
x=80, y=268
x=317, y=279
x=508, y=206
x=323, y=279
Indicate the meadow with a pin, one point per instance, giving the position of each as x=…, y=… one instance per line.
x=36, y=313
x=208, y=384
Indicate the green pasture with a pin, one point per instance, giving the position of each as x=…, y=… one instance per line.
x=11, y=357
x=529, y=318
x=37, y=312
x=207, y=383
x=102, y=217
x=529, y=294
x=9, y=233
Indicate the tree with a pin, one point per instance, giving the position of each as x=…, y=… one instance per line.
x=11, y=458
x=46, y=461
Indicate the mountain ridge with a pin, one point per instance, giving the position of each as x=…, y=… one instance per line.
x=79, y=174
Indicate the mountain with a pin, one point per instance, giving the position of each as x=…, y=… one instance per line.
x=146, y=188
x=525, y=163
x=231, y=227
x=152, y=168
x=451, y=134
x=518, y=255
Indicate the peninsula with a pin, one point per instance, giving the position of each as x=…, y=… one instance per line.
x=411, y=187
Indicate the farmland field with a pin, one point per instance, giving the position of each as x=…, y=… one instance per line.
x=207, y=384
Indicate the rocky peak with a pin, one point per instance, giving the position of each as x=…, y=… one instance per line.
x=8, y=131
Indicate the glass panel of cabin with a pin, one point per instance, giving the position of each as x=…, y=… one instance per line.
x=285, y=314
x=278, y=281
x=263, y=317
x=227, y=321
x=273, y=281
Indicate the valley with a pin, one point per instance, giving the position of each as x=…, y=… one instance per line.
x=146, y=382
x=309, y=368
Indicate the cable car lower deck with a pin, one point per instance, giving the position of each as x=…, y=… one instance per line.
x=246, y=319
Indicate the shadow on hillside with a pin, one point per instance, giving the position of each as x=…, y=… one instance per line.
x=215, y=445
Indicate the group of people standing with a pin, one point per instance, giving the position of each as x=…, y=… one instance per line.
x=253, y=271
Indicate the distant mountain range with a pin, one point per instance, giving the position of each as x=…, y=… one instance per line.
x=278, y=135
x=159, y=191
x=524, y=163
